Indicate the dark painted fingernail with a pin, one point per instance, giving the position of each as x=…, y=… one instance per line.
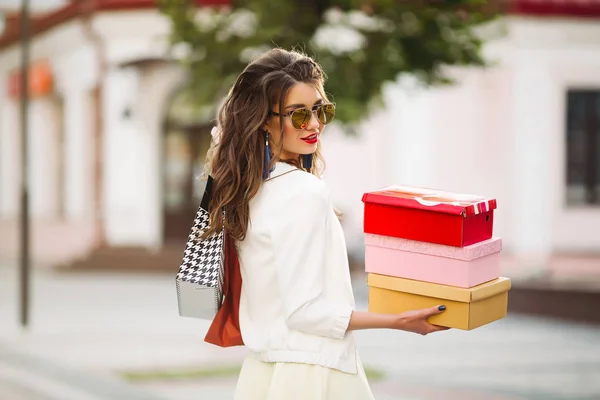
x=441, y=308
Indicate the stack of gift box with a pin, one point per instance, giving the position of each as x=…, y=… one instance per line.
x=425, y=248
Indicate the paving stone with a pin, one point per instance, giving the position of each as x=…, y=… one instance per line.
x=100, y=324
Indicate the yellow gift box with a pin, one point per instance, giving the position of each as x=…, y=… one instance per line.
x=466, y=309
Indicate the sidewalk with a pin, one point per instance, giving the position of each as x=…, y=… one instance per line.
x=95, y=326
x=12, y=391
x=29, y=377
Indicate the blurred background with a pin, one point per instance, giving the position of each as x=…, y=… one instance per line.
x=499, y=99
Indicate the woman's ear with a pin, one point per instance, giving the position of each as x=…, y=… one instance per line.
x=267, y=126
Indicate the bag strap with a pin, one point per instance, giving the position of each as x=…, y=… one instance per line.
x=285, y=173
x=207, y=193
x=209, y=188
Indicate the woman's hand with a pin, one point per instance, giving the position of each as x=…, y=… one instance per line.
x=416, y=321
x=411, y=321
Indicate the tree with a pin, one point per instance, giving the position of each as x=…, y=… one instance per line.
x=361, y=44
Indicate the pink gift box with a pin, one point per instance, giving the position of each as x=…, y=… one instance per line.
x=436, y=263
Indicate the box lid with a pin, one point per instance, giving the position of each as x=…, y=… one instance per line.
x=421, y=288
x=430, y=200
x=466, y=253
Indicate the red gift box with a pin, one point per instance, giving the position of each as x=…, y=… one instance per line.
x=429, y=215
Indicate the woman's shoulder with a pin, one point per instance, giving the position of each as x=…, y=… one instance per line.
x=291, y=182
x=288, y=175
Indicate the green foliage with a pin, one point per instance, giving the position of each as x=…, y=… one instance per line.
x=361, y=44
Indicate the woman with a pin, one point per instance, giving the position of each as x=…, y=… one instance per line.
x=296, y=311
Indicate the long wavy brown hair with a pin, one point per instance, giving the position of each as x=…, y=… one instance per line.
x=236, y=161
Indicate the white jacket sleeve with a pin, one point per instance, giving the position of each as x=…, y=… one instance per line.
x=300, y=242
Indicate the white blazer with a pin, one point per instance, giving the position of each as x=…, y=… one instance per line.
x=297, y=298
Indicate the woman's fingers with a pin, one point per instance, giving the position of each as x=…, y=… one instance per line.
x=435, y=311
x=428, y=312
x=433, y=328
x=437, y=328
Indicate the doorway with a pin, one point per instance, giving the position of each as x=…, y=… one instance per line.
x=186, y=142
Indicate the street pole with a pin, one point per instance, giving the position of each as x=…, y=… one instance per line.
x=24, y=92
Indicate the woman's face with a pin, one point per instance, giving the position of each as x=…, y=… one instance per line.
x=296, y=141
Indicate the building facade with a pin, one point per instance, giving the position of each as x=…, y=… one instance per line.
x=115, y=147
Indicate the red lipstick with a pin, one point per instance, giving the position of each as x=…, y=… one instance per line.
x=312, y=139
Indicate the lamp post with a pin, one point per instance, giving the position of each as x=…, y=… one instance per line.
x=24, y=192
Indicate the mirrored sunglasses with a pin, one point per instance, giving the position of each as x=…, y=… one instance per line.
x=300, y=117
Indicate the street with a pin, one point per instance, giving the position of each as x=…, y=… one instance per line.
x=90, y=328
x=459, y=142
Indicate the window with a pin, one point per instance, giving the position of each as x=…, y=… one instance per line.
x=583, y=147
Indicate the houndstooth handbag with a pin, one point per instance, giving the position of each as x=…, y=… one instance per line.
x=200, y=278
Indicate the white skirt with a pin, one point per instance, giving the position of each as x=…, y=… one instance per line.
x=291, y=381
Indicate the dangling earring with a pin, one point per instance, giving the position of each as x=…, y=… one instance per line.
x=307, y=160
x=267, y=159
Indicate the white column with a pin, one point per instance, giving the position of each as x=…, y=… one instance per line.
x=124, y=163
x=413, y=139
x=44, y=158
x=152, y=98
x=78, y=162
x=10, y=159
x=533, y=168
x=153, y=112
